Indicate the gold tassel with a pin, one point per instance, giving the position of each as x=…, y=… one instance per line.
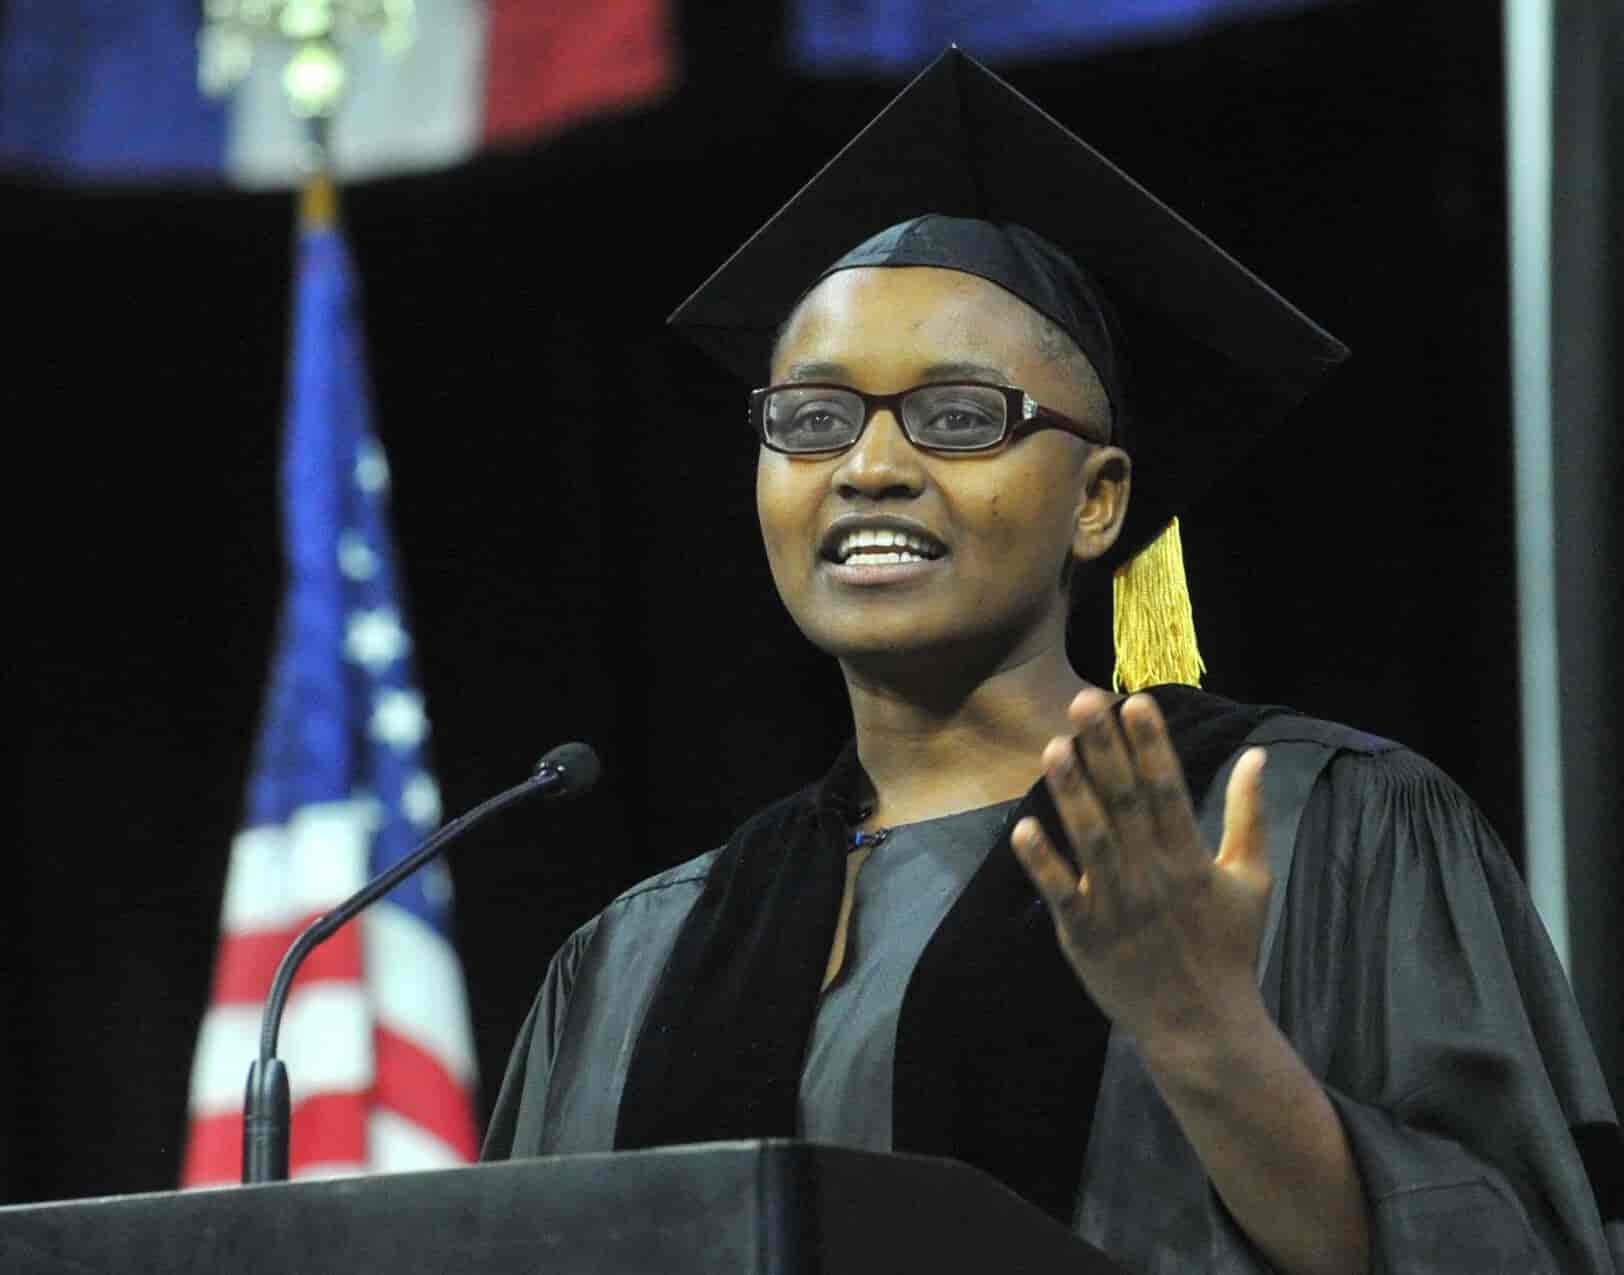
x=1152, y=626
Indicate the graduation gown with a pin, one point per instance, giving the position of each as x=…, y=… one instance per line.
x=1402, y=959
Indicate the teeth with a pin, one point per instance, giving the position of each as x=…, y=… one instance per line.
x=872, y=544
x=871, y=559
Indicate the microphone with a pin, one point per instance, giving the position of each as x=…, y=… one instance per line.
x=567, y=771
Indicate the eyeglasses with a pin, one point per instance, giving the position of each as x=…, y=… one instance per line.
x=810, y=417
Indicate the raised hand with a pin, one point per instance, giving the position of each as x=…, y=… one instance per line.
x=1163, y=935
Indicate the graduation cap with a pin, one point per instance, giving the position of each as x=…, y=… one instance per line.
x=1200, y=357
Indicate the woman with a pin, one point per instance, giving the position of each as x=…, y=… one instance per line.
x=996, y=930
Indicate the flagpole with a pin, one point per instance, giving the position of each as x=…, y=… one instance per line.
x=318, y=202
x=314, y=83
x=267, y=1113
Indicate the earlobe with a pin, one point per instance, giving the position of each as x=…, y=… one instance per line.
x=1106, y=480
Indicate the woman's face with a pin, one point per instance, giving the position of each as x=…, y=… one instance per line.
x=999, y=526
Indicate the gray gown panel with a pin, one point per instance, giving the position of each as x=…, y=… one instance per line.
x=902, y=893
x=561, y=1094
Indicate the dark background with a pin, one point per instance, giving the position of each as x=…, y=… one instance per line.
x=572, y=502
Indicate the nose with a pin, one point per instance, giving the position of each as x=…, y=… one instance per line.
x=881, y=463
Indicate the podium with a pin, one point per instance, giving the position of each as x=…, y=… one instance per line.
x=771, y=1207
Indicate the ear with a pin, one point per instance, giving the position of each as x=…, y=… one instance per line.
x=1103, y=488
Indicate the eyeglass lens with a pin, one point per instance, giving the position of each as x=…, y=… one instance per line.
x=946, y=417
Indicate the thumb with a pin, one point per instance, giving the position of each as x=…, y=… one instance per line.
x=1243, y=845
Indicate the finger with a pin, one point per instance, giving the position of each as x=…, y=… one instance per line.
x=1058, y=883
x=1161, y=779
x=1114, y=781
x=1244, y=847
x=1083, y=827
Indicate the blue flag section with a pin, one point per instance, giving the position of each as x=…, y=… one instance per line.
x=897, y=37
x=106, y=90
x=345, y=719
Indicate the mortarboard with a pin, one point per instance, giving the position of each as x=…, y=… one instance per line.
x=1213, y=356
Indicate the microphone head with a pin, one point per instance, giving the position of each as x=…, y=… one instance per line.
x=575, y=768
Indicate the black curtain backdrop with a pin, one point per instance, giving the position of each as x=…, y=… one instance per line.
x=573, y=502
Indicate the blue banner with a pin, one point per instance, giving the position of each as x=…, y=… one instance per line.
x=897, y=37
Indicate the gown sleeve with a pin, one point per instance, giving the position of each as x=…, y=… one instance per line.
x=1420, y=985
x=529, y=1068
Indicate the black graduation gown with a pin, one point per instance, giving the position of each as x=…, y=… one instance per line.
x=1404, y=962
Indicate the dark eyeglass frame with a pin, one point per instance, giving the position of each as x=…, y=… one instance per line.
x=1022, y=415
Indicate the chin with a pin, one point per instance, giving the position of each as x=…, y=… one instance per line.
x=904, y=650
x=854, y=633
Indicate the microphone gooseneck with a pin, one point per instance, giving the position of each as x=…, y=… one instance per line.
x=566, y=771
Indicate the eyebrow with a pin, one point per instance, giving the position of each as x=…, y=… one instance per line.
x=935, y=372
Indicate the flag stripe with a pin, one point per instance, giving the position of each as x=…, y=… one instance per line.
x=328, y=1138
x=330, y=1128
x=413, y=1090
x=416, y=985
x=281, y=874
x=213, y=1149
x=248, y=961
x=547, y=65
x=399, y=1146
x=418, y=1098
x=414, y=1085
x=309, y=1170
x=321, y=1042
x=416, y=111
x=414, y=978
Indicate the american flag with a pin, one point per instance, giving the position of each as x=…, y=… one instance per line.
x=376, y=1036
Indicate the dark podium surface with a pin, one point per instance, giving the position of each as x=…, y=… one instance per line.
x=770, y=1207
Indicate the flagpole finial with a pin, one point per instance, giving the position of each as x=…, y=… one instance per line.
x=313, y=33
x=314, y=79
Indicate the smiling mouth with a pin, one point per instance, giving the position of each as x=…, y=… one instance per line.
x=883, y=547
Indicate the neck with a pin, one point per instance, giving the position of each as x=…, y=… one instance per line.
x=936, y=749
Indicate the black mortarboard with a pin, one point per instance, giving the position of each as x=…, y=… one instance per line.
x=1214, y=357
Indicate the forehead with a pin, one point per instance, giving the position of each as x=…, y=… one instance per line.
x=880, y=316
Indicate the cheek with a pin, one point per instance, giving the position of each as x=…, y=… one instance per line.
x=783, y=503
x=1024, y=523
